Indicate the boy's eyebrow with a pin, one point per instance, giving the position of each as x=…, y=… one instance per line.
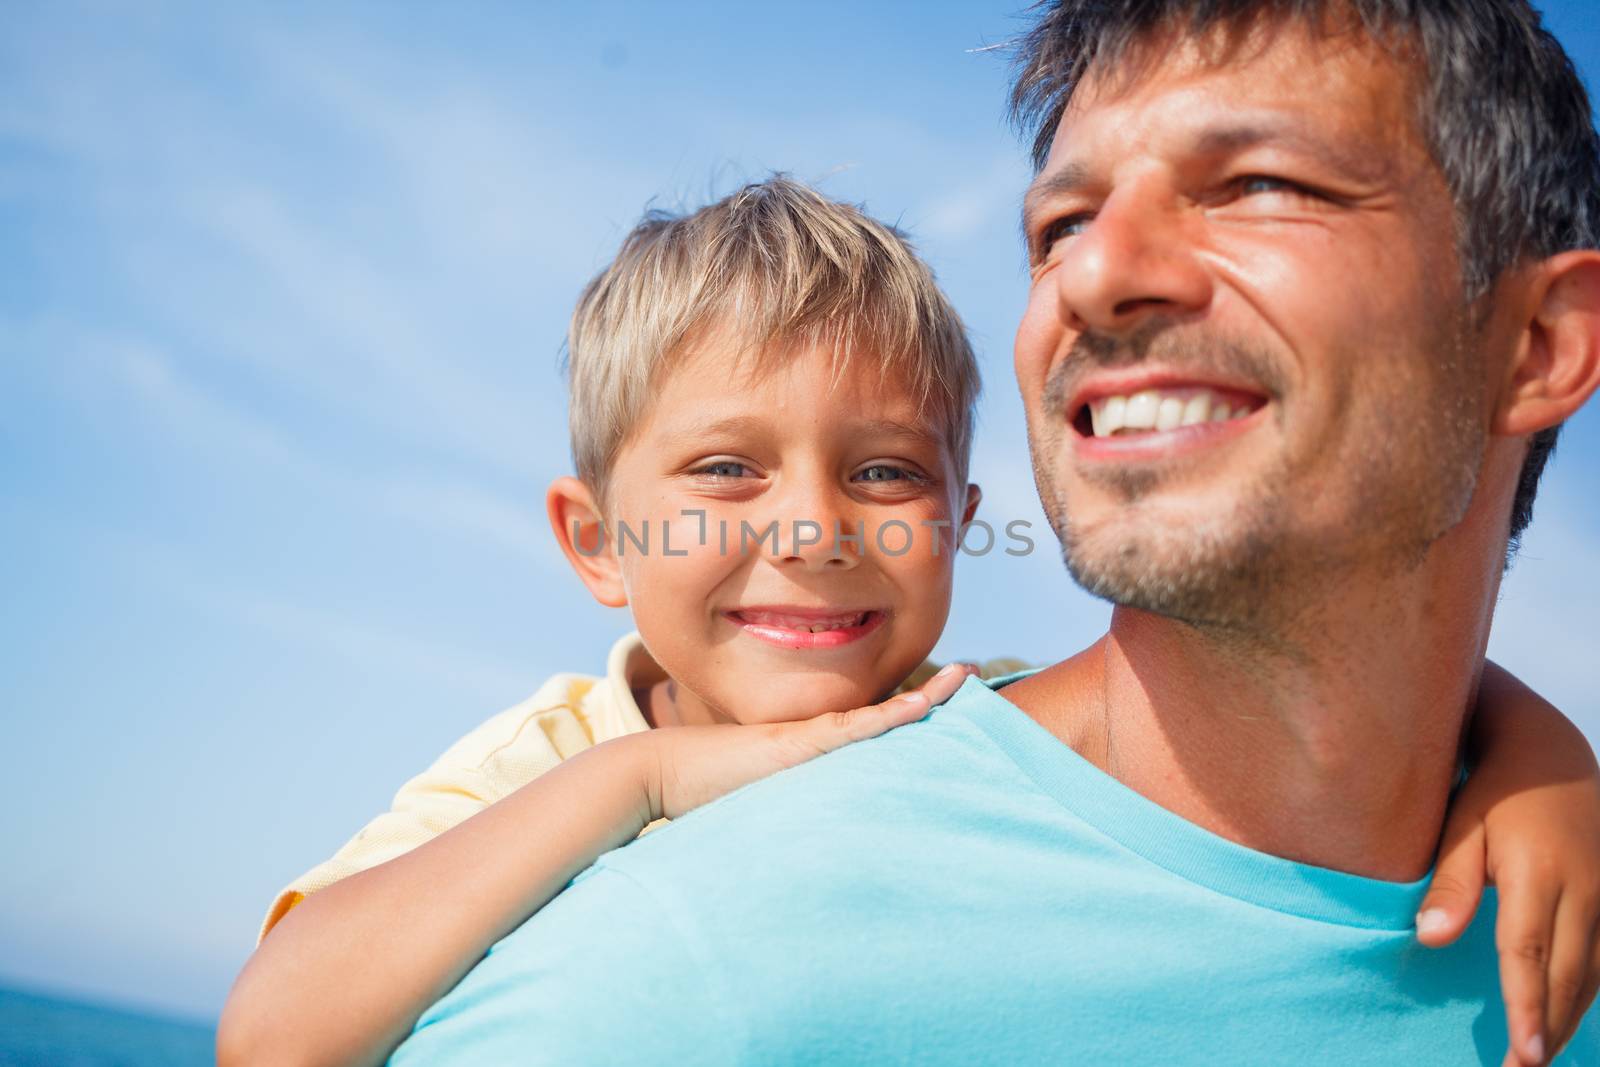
x=732, y=425
x=895, y=428
x=735, y=425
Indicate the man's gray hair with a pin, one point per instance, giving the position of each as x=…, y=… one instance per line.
x=1500, y=106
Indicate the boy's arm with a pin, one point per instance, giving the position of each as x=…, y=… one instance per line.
x=1528, y=819
x=427, y=806
x=494, y=759
x=344, y=976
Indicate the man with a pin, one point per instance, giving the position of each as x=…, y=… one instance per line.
x=1364, y=244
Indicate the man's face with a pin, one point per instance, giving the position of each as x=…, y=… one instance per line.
x=1246, y=360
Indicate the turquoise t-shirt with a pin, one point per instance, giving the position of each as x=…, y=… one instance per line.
x=968, y=890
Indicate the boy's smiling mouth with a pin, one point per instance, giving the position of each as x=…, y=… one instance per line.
x=797, y=628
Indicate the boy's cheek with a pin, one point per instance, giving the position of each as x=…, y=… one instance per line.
x=923, y=579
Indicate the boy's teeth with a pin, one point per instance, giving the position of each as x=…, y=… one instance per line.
x=1160, y=410
x=804, y=623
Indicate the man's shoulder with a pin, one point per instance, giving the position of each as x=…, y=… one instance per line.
x=599, y=975
x=949, y=742
x=851, y=808
x=999, y=668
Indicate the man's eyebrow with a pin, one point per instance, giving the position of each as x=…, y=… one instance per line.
x=1064, y=179
x=1239, y=137
x=1212, y=141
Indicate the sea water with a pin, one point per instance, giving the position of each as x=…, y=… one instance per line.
x=41, y=1031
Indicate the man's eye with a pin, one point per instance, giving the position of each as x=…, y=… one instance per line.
x=1070, y=226
x=1260, y=183
x=725, y=468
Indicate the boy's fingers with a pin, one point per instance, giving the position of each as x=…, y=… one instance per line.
x=943, y=686
x=1455, y=890
x=1572, y=966
x=1522, y=936
x=843, y=727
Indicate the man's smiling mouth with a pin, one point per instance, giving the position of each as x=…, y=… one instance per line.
x=1159, y=413
x=1161, y=410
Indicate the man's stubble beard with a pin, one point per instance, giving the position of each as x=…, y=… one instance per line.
x=1251, y=569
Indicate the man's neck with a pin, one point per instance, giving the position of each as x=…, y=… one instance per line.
x=1336, y=747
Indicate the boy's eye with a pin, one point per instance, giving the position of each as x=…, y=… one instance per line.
x=724, y=468
x=885, y=472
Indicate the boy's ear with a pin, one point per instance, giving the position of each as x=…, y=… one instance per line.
x=576, y=519
x=1557, y=366
x=974, y=495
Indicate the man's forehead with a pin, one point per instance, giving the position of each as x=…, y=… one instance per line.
x=1286, y=83
x=1076, y=163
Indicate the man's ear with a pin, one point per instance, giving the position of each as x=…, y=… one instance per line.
x=1557, y=367
x=581, y=533
x=974, y=495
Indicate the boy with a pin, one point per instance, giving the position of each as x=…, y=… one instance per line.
x=771, y=418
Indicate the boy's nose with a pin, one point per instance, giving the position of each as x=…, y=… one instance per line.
x=821, y=544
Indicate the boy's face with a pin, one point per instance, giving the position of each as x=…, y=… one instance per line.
x=800, y=622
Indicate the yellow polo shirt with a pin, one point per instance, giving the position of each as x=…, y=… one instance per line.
x=569, y=713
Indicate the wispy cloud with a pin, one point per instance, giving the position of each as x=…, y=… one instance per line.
x=267, y=263
x=109, y=373
x=982, y=205
x=365, y=646
x=517, y=526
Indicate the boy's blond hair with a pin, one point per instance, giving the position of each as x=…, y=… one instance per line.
x=774, y=268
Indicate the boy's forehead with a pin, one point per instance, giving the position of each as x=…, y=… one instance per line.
x=792, y=371
x=724, y=385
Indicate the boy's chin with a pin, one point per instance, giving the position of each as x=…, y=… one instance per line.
x=795, y=697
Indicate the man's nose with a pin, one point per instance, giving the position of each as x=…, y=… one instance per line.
x=820, y=533
x=1136, y=259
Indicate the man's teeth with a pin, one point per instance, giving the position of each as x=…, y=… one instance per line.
x=1161, y=410
x=805, y=623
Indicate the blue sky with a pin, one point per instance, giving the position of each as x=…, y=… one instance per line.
x=280, y=316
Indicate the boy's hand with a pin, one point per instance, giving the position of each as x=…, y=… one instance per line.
x=694, y=765
x=1528, y=820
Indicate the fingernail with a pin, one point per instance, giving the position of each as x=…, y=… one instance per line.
x=947, y=670
x=914, y=697
x=1533, y=1048
x=1432, y=920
